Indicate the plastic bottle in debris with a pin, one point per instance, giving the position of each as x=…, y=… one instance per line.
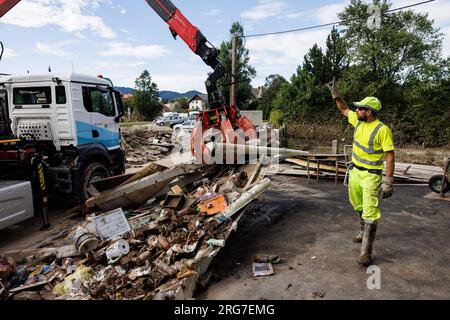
x=216, y=242
x=264, y=258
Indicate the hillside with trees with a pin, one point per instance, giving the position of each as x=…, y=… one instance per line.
x=401, y=63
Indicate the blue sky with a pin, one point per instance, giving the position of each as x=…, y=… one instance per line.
x=119, y=38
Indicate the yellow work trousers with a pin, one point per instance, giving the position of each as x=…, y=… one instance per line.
x=363, y=190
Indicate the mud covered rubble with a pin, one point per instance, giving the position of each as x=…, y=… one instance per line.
x=144, y=144
x=169, y=248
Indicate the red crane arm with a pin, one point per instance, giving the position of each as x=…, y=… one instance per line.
x=6, y=5
x=179, y=25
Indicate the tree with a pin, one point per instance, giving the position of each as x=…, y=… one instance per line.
x=336, y=54
x=145, y=100
x=272, y=86
x=402, y=49
x=401, y=64
x=305, y=97
x=244, y=72
x=181, y=105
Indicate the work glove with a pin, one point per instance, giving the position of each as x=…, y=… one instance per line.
x=332, y=87
x=387, y=187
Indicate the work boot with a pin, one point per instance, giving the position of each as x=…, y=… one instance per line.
x=358, y=238
x=370, y=229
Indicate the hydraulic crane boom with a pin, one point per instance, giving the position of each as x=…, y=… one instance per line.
x=6, y=5
x=225, y=120
x=179, y=25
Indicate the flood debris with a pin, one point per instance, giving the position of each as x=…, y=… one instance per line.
x=262, y=269
x=155, y=245
x=144, y=144
x=274, y=259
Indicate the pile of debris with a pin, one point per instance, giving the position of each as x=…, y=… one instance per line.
x=144, y=144
x=157, y=250
x=302, y=166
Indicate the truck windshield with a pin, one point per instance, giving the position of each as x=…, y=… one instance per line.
x=32, y=95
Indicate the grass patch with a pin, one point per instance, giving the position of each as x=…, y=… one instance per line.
x=130, y=124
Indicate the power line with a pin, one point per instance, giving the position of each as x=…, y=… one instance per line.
x=327, y=24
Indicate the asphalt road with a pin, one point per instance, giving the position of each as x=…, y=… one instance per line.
x=310, y=227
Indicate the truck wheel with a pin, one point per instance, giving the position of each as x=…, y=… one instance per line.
x=435, y=184
x=93, y=172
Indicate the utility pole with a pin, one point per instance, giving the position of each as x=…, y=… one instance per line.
x=233, y=69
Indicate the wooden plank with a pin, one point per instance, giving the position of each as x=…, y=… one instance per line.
x=139, y=190
x=313, y=164
x=111, y=182
x=33, y=285
x=147, y=170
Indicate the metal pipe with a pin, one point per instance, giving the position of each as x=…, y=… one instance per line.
x=252, y=149
x=245, y=199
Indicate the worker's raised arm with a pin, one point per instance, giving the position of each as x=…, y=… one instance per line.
x=341, y=104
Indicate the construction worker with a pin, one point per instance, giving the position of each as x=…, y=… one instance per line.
x=372, y=141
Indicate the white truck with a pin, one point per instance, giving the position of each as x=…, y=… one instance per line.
x=70, y=122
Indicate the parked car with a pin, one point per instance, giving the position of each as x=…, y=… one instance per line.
x=186, y=126
x=193, y=115
x=169, y=121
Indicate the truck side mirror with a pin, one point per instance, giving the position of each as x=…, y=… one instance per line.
x=119, y=104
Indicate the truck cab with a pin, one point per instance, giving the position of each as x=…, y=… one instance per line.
x=73, y=120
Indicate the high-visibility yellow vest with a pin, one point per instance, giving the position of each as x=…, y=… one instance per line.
x=370, y=142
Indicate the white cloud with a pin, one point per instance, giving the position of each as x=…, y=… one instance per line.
x=437, y=10
x=295, y=15
x=284, y=57
x=213, y=12
x=321, y=15
x=121, y=49
x=55, y=49
x=180, y=82
x=265, y=9
x=446, y=42
x=9, y=53
x=122, y=10
x=328, y=13
x=289, y=48
x=121, y=64
x=70, y=15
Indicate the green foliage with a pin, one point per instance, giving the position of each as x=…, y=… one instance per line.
x=275, y=118
x=400, y=63
x=181, y=105
x=244, y=71
x=272, y=87
x=305, y=97
x=145, y=101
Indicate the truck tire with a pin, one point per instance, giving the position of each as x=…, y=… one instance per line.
x=93, y=172
x=435, y=184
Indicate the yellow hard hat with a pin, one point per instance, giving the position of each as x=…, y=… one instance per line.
x=371, y=103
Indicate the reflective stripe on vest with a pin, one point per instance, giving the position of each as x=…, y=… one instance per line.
x=371, y=163
x=370, y=150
